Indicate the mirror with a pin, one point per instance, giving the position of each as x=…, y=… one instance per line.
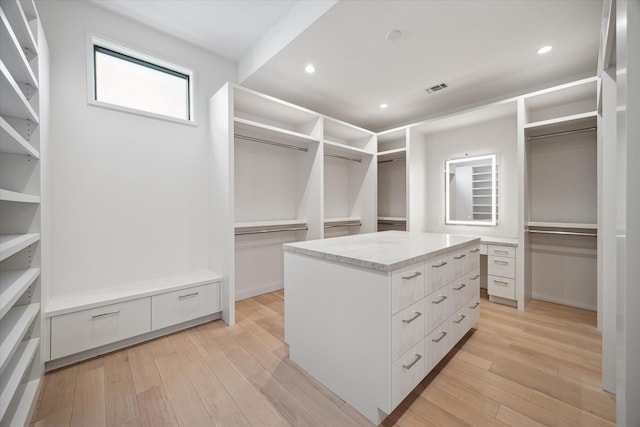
x=471, y=191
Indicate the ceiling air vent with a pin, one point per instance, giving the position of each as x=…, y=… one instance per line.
x=436, y=88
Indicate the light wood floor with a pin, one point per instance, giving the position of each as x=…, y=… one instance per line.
x=540, y=367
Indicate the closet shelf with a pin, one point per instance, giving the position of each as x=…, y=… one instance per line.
x=13, y=103
x=346, y=134
x=13, y=284
x=13, y=56
x=15, y=371
x=12, y=196
x=561, y=123
x=28, y=397
x=392, y=155
x=13, y=243
x=15, y=14
x=338, y=149
x=13, y=328
x=339, y=220
x=11, y=142
x=239, y=226
x=565, y=225
x=253, y=129
x=392, y=218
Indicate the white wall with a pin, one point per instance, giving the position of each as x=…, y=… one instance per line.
x=492, y=136
x=129, y=193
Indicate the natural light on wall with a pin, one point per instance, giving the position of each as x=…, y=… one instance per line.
x=133, y=83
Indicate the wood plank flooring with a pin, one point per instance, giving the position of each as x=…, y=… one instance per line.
x=537, y=368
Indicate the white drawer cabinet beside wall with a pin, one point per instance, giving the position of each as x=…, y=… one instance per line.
x=369, y=316
x=85, y=325
x=501, y=271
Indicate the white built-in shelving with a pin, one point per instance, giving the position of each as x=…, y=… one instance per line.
x=393, y=180
x=21, y=361
x=289, y=174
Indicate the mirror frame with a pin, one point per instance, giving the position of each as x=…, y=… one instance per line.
x=494, y=193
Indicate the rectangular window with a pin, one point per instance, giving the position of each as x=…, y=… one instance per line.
x=122, y=78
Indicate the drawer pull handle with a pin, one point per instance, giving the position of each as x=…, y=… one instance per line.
x=498, y=251
x=460, y=256
x=414, y=317
x=189, y=295
x=462, y=316
x=474, y=277
x=500, y=282
x=440, y=300
x=410, y=365
x=500, y=262
x=413, y=276
x=111, y=313
x=442, y=264
x=475, y=305
x=473, y=251
x=462, y=285
x=442, y=335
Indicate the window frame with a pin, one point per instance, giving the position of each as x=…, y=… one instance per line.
x=136, y=56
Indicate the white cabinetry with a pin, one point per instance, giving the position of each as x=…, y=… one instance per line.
x=373, y=354
x=280, y=174
x=392, y=180
x=23, y=116
x=88, y=324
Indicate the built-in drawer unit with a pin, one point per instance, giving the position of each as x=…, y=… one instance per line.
x=407, y=328
x=459, y=263
x=501, y=271
x=407, y=286
x=438, y=306
x=186, y=304
x=75, y=332
x=407, y=372
x=437, y=273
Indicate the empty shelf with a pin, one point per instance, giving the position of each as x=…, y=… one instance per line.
x=13, y=284
x=13, y=243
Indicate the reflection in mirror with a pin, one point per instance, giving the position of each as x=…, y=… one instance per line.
x=471, y=191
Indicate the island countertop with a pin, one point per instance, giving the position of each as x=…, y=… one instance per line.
x=384, y=251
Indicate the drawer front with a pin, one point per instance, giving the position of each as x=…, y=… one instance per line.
x=473, y=279
x=474, y=256
x=407, y=286
x=407, y=372
x=506, y=251
x=501, y=287
x=437, y=344
x=183, y=305
x=459, y=324
x=458, y=264
x=75, y=332
x=437, y=272
x=473, y=311
x=501, y=266
x=460, y=291
x=407, y=328
x=438, y=306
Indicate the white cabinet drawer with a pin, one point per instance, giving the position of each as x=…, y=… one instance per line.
x=459, y=292
x=458, y=324
x=407, y=372
x=437, y=272
x=407, y=328
x=474, y=256
x=183, y=305
x=506, y=251
x=75, y=332
x=407, y=286
x=458, y=264
x=473, y=311
x=501, y=266
x=438, y=308
x=437, y=344
x=501, y=287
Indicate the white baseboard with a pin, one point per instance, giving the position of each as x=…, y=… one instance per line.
x=258, y=290
x=562, y=301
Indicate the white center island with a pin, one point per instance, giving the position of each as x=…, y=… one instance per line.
x=370, y=315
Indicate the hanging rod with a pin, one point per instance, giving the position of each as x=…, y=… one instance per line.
x=399, y=159
x=563, y=233
x=351, y=159
x=270, y=230
x=397, y=224
x=265, y=141
x=353, y=224
x=569, y=132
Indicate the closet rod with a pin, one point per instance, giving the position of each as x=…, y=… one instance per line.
x=399, y=159
x=265, y=141
x=569, y=132
x=399, y=224
x=563, y=233
x=355, y=224
x=351, y=159
x=270, y=230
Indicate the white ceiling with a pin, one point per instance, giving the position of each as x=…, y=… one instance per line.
x=482, y=49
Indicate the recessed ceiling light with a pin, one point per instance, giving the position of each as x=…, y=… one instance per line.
x=545, y=49
x=383, y=105
x=310, y=69
x=393, y=35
